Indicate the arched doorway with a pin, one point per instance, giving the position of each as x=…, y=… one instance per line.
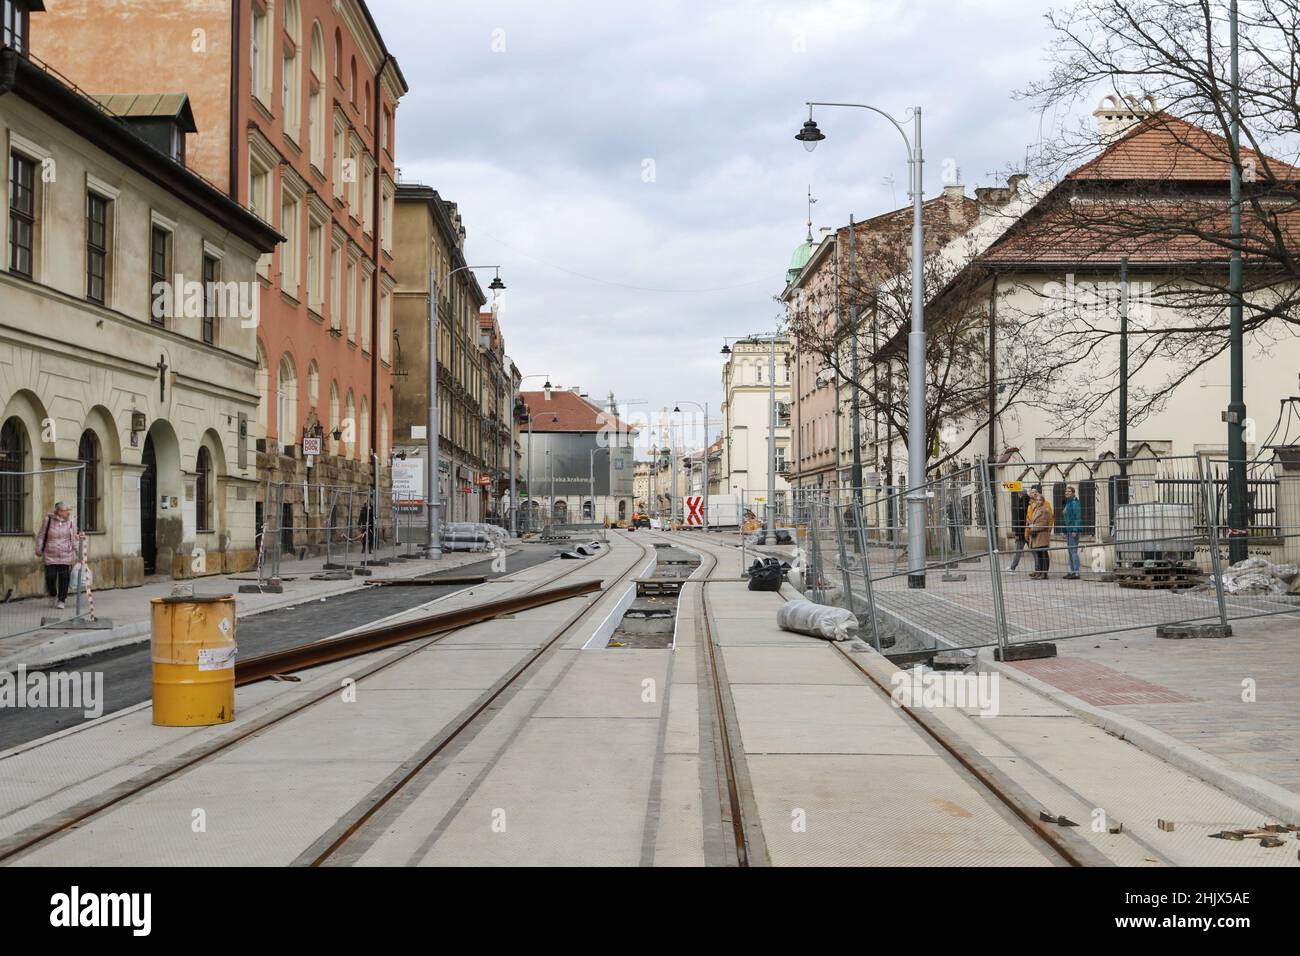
x=560, y=511
x=149, y=507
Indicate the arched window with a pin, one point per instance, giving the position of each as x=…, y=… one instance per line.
x=291, y=80
x=338, y=54
x=313, y=385
x=350, y=427
x=263, y=390
x=365, y=105
x=559, y=510
x=203, y=490
x=316, y=135
x=622, y=510
x=364, y=425
x=286, y=409
x=587, y=511
x=352, y=82
x=88, y=481
x=334, y=417
x=13, y=480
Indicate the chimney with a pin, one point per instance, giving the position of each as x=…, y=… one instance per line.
x=954, y=191
x=1115, y=115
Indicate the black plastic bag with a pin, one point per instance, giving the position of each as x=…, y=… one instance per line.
x=766, y=574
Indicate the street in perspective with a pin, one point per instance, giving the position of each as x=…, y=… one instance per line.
x=799, y=433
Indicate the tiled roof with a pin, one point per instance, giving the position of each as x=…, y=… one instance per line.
x=571, y=413
x=1118, y=204
x=1163, y=147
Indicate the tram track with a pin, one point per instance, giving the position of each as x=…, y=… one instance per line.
x=1059, y=842
x=61, y=824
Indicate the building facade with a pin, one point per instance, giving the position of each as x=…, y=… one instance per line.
x=582, y=460
x=746, y=413
x=430, y=238
x=128, y=349
x=295, y=102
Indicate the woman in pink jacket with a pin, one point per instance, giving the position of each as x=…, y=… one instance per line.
x=59, y=543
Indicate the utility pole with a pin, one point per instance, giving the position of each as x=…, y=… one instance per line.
x=1122, y=496
x=432, y=496
x=1236, y=413
x=856, y=474
x=771, y=444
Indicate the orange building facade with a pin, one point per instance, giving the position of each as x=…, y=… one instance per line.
x=295, y=104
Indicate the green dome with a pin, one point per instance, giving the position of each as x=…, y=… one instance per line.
x=802, y=253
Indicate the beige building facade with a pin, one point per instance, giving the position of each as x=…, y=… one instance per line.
x=128, y=343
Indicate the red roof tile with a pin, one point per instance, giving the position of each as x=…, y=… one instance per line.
x=569, y=412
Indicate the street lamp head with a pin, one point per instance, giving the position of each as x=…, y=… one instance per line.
x=677, y=408
x=496, y=285
x=726, y=349
x=810, y=135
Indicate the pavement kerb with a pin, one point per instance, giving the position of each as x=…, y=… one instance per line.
x=1272, y=799
x=68, y=647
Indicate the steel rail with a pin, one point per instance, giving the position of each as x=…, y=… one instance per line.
x=375, y=639
x=56, y=826
x=483, y=704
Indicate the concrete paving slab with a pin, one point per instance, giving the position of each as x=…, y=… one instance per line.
x=822, y=719
x=780, y=664
x=610, y=685
x=880, y=810
x=571, y=792
x=680, y=838
x=682, y=735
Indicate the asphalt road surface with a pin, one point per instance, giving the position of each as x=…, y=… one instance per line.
x=127, y=672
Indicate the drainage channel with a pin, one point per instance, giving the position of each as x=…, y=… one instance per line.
x=646, y=615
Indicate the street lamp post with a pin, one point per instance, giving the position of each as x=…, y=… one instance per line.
x=432, y=495
x=918, y=449
x=704, y=408
x=1236, y=413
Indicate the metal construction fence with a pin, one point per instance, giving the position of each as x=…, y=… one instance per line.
x=1145, y=546
x=26, y=497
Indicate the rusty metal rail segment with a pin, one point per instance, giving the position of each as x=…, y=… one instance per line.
x=375, y=639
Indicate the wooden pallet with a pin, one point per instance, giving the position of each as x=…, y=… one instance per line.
x=1158, y=578
x=659, y=587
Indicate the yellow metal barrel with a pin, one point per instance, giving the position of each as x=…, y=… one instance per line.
x=193, y=653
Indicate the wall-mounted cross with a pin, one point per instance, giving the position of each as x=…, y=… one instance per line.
x=162, y=377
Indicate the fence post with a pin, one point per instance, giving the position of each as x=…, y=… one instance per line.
x=1210, y=508
x=995, y=559
x=866, y=576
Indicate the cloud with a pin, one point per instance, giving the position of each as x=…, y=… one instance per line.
x=632, y=167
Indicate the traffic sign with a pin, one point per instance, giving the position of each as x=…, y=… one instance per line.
x=694, y=509
x=311, y=446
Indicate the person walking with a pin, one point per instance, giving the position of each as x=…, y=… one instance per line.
x=59, y=544
x=1038, y=531
x=1019, y=508
x=1072, y=518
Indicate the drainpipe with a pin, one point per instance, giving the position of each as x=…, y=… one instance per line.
x=377, y=228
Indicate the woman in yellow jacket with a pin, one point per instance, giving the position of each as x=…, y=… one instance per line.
x=1038, y=531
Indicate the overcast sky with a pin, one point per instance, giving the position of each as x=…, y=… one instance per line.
x=632, y=166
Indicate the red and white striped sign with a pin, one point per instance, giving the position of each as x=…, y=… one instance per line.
x=694, y=510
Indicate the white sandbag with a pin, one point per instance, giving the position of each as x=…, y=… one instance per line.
x=817, y=620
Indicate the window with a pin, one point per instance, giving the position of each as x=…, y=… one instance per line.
x=88, y=481
x=286, y=408
x=350, y=306
x=386, y=218
x=338, y=54
x=368, y=196
x=159, y=269
x=367, y=311
x=316, y=266
x=13, y=28
x=352, y=82
x=349, y=426
x=365, y=106
x=203, y=490
x=291, y=251
x=13, y=480
x=336, y=286
x=211, y=276
x=258, y=60
x=22, y=213
x=316, y=100
x=340, y=133
x=313, y=384
x=96, y=247
x=334, y=417
x=384, y=130
x=385, y=326
x=291, y=80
